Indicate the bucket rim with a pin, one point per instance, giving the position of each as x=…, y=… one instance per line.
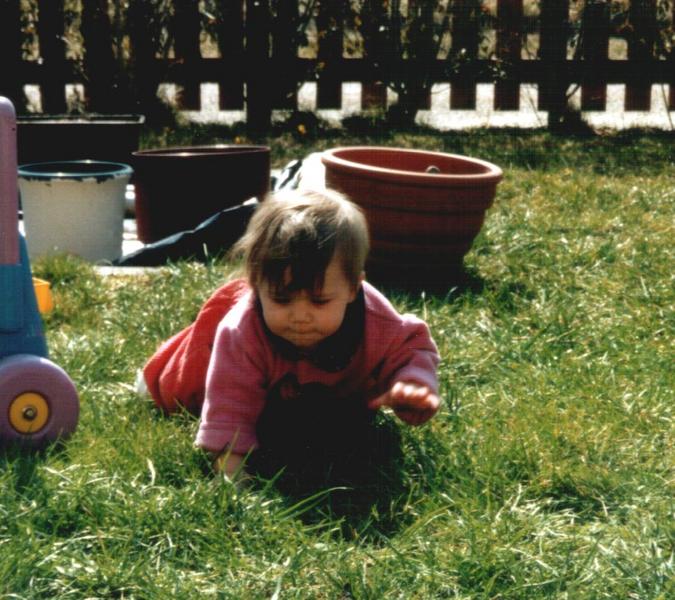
x=201, y=150
x=74, y=169
x=83, y=119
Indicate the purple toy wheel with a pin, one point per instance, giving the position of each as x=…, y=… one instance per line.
x=38, y=401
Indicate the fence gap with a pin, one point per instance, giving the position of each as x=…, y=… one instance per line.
x=10, y=51
x=51, y=30
x=509, y=46
x=329, y=24
x=465, y=37
x=187, y=29
x=231, y=46
x=594, y=52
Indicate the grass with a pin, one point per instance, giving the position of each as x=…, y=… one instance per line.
x=547, y=474
x=615, y=153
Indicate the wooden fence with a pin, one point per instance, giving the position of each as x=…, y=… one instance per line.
x=121, y=51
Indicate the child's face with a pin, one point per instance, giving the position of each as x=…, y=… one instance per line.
x=306, y=318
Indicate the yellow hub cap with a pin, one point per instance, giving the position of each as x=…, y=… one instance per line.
x=28, y=412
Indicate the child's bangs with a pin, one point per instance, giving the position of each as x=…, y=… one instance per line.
x=298, y=269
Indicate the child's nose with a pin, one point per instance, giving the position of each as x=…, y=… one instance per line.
x=300, y=312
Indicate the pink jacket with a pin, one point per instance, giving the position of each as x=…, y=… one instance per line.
x=245, y=363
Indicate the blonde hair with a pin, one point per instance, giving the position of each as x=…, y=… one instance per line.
x=294, y=235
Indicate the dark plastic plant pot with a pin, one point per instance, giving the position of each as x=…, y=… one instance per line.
x=178, y=188
x=113, y=138
x=424, y=209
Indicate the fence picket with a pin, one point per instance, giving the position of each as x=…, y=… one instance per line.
x=10, y=50
x=595, y=50
x=552, y=54
x=373, y=95
x=640, y=49
x=187, y=26
x=50, y=28
x=509, y=46
x=465, y=36
x=144, y=72
x=230, y=34
x=330, y=23
x=99, y=61
x=374, y=89
x=285, y=52
x=671, y=63
x=258, y=85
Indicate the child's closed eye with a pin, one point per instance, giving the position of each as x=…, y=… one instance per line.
x=285, y=300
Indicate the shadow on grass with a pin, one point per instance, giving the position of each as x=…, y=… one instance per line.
x=357, y=494
x=22, y=461
x=452, y=280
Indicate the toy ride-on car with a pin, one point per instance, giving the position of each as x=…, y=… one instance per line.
x=38, y=401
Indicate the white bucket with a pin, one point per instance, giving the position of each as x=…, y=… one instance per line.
x=74, y=207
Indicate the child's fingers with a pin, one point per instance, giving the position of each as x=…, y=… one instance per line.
x=432, y=402
x=402, y=393
x=410, y=396
x=417, y=407
x=412, y=403
x=396, y=397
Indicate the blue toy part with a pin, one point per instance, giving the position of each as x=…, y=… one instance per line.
x=38, y=401
x=21, y=330
x=11, y=311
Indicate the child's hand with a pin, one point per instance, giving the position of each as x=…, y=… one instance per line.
x=412, y=403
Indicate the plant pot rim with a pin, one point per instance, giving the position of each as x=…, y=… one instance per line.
x=197, y=151
x=75, y=170
x=81, y=119
x=335, y=158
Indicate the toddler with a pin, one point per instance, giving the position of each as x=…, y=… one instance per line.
x=312, y=350
x=302, y=352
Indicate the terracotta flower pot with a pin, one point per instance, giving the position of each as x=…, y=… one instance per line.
x=424, y=209
x=110, y=138
x=178, y=188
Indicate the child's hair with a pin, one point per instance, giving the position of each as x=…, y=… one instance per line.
x=302, y=230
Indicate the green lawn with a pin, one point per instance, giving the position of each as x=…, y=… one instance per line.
x=549, y=472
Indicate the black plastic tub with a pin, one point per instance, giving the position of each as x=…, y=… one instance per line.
x=42, y=138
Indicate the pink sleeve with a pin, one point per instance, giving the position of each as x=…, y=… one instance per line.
x=411, y=356
x=235, y=389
